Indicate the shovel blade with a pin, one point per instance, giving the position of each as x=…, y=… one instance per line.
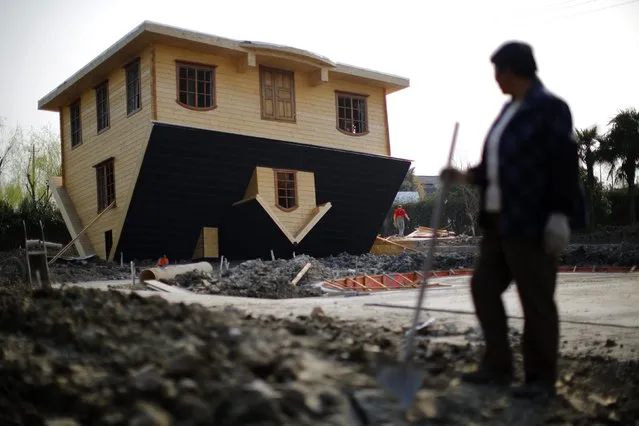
x=401, y=381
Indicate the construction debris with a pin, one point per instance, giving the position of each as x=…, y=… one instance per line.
x=390, y=281
x=160, y=286
x=299, y=276
x=272, y=279
x=426, y=232
x=333, y=267
x=255, y=278
x=170, y=271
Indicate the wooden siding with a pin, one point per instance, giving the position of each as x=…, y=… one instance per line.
x=294, y=220
x=251, y=189
x=125, y=140
x=239, y=105
x=207, y=244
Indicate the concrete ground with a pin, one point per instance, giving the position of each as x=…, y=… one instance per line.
x=594, y=307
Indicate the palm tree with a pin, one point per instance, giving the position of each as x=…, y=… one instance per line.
x=620, y=149
x=587, y=142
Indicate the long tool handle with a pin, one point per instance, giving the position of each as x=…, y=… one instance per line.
x=410, y=340
x=65, y=248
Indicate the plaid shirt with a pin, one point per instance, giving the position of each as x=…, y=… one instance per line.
x=538, y=167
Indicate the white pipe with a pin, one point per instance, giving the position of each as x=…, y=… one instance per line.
x=171, y=271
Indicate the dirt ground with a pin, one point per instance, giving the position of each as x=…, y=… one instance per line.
x=76, y=356
x=79, y=356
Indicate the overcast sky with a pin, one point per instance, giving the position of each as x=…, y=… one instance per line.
x=587, y=52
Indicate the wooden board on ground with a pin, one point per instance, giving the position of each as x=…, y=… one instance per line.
x=386, y=246
x=165, y=288
x=301, y=273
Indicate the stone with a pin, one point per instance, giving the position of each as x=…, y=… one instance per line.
x=183, y=364
x=148, y=380
x=148, y=414
x=62, y=422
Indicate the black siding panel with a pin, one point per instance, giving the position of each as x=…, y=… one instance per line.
x=190, y=178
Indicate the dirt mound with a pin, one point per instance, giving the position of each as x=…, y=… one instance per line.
x=91, y=357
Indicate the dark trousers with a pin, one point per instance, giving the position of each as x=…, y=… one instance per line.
x=501, y=261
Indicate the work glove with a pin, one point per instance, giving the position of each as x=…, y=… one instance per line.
x=556, y=234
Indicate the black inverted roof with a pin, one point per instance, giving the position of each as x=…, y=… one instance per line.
x=191, y=177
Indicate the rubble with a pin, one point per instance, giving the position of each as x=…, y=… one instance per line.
x=273, y=279
x=80, y=356
x=257, y=278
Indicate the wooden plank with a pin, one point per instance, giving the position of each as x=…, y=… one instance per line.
x=399, y=245
x=301, y=273
x=396, y=281
x=65, y=248
x=357, y=283
x=375, y=281
x=165, y=288
x=334, y=285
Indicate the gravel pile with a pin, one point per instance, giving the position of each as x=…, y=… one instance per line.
x=272, y=279
x=78, y=356
x=257, y=278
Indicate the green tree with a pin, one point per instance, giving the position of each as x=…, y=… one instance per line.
x=620, y=149
x=412, y=183
x=8, y=142
x=588, y=143
x=39, y=160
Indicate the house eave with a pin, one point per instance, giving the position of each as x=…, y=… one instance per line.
x=151, y=32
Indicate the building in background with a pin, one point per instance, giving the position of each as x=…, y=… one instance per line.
x=430, y=184
x=406, y=197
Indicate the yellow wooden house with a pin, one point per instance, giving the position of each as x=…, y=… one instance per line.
x=191, y=145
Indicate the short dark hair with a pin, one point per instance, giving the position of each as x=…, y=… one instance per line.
x=516, y=57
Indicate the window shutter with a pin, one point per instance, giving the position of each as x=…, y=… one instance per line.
x=284, y=100
x=268, y=94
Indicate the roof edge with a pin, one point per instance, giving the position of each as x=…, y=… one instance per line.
x=391, y=79
x=392, y=82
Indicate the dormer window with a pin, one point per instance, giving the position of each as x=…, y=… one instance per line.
x=286, y=189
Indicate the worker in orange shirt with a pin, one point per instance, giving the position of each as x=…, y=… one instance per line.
x=399, y=219
x=163, y=261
